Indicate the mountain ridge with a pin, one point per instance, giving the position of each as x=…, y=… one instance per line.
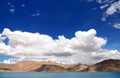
x=109, y=65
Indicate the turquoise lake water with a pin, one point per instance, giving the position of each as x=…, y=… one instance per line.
x=61, y=75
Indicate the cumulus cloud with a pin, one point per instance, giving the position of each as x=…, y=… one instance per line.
x=84, y=47
x=0, y=38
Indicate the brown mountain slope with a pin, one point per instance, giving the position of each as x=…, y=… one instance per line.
x=32, y=66
x=107, y=66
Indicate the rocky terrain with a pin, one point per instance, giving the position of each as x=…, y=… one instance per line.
x=106, y=66
x=32, y=66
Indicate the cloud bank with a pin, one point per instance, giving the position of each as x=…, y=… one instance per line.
x=84, y=47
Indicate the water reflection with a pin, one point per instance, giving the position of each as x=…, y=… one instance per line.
x=61, y=75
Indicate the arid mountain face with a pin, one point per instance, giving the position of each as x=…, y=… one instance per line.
x=107, y=65
x=31, y=66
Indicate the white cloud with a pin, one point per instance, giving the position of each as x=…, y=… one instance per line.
x=89, y=0
x=110, y=6
x=117, y=25
x=11, y=8
x=23, y=5
x=101, y=1
x=9, y=3
x=104, y=1
x=0, y=38
x=104, y=6
x=103, y=18
x=37, y=13
x=85, y=47
x=115, y=7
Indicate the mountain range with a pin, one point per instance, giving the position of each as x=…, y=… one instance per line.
x=109, y=65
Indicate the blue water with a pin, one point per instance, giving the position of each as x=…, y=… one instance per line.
x=61, y=75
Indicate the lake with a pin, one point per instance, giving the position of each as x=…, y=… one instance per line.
x=60, y=75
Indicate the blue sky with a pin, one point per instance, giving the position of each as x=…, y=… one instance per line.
x=60, y=17
x=57, y=16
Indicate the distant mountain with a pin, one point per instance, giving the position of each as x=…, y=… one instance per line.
x=106, y=65
x=32, y=66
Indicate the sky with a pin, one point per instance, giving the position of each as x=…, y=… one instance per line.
x=81, y=31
